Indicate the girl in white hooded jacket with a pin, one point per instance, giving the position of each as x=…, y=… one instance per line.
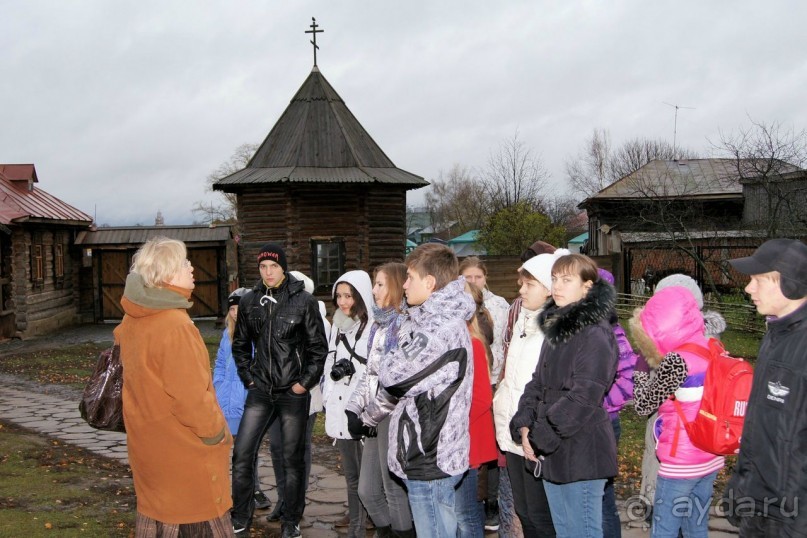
x=344, y=367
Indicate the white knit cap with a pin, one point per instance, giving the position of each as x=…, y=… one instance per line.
x=684, y=281
x=540, y=266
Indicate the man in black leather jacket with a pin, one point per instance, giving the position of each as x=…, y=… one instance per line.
x=767, y=495
x=280, y=321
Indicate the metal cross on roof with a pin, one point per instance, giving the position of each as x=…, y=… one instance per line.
x=314, y=31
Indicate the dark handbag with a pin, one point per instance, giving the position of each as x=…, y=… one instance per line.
x=102, y=402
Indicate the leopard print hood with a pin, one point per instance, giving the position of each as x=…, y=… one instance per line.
x=560, y=324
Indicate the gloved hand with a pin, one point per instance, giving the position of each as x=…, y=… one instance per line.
x=649, y=394
x=356, y=427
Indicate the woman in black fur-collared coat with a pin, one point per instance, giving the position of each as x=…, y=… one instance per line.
x=560, y=421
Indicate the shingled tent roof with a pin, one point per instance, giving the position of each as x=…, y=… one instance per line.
x=318, y=140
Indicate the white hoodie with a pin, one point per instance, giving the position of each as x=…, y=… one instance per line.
x=336, y=394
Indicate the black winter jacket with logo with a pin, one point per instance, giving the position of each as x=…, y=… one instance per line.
x=284, y=327
x=772, y=465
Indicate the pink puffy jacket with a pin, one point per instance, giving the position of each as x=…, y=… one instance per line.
x=672, y=318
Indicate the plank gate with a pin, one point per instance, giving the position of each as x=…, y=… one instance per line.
x=114, y=266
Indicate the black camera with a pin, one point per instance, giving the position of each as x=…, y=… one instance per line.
x=342, y=368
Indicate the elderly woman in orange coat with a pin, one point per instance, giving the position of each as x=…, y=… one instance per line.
x=178, y=440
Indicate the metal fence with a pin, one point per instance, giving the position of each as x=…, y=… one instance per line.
x=646, y=264
x=732, y=302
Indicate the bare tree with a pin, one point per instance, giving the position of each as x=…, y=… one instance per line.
x=637, y=152
x=769, y=159
x=598, y=165
x=589, y=172
x=212, y=212
x=513, y=175
x=226, y=210
x=562, y=211
x=454, y=199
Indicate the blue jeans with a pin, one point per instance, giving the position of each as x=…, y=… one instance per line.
x=576, y=508
x=261, y=409
x=470, y=522
x=432, y=503
x=682, y=504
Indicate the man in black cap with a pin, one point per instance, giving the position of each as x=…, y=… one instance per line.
x=280, y=321
x=767, y=495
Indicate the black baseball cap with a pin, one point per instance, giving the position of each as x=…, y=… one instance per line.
x=787, y=256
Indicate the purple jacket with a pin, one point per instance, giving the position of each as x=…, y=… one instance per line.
x=621, y=391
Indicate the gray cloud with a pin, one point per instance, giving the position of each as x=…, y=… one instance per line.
x=127, y=106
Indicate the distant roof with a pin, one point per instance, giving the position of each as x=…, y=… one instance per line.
x=579, y=240
x=648, y=237
x=137, y=235
x=468, y=249
x=685, y=178
x=468, y=237
x=19, y=172
x=318, y=140
x=21, y=201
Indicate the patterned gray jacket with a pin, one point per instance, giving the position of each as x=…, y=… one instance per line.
x=431, y=375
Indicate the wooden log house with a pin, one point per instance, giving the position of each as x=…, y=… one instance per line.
x=39, y=262
x=321, y=187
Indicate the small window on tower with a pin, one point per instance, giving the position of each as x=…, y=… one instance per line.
x=327, y=261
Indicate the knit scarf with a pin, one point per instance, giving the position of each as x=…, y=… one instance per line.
x=386, y=317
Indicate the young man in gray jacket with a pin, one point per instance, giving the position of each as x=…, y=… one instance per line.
x=430, y=375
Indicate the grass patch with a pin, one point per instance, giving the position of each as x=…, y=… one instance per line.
x=68, y=365
x=49, y=488
x=631, y=447
x=743, y=344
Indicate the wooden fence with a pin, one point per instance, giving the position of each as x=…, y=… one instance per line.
x=739, y=314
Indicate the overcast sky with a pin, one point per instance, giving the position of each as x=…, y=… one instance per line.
x=125, y=107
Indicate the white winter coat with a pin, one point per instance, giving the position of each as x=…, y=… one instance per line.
x=522, y=360
x=498, y=308
x=336, y=394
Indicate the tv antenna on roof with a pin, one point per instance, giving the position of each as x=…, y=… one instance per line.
x=675, y=125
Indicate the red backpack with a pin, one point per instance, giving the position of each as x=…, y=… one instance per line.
x=718, y=426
